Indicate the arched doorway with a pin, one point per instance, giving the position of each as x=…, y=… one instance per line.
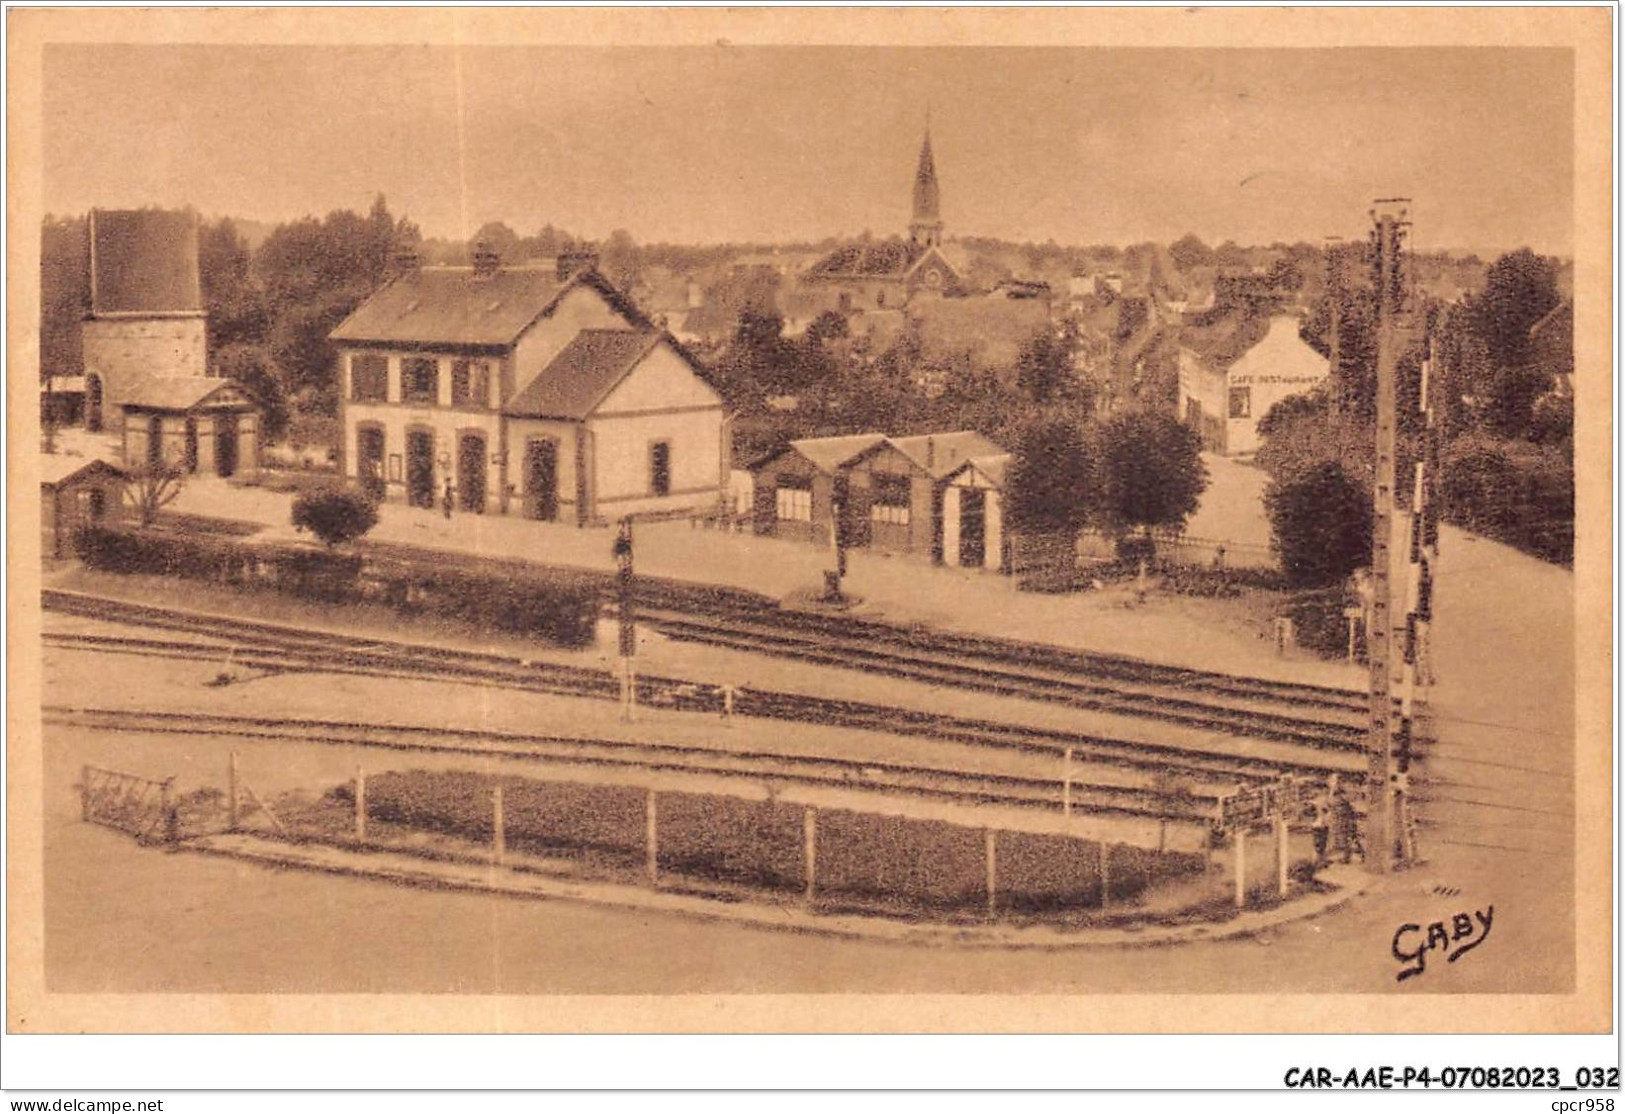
x=370, y=460
x=471, y=472
x=420, y=468
x=93, y=403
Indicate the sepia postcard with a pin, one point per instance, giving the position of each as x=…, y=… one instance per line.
x=878, y=520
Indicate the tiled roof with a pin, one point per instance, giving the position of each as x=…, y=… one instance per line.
x=144, y=261
x=993, y=467
x=179, y=392
x=829, y=453
x=877, y=259
x=56, y=469
x=451, y=305
x=941, y=453
x=583, y=374
x=1222, y=340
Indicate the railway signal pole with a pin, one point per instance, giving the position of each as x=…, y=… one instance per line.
x=1386, y=727
x=628, y=623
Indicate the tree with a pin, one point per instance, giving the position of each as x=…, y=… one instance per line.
x=249, y=367
x=152, y=487
x=757, y=361
x=1151, y=471
x=1488, y=351
x=501, y=239
x=335, y=515
x=620, y=261
x=1051, y=483
x=1321, y=523
x=1044, y=373
x=1189, y=251
x=64, y=294
x=236, y=306
x=1519, y=289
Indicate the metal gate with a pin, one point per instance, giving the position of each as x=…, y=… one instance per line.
x=141, y=806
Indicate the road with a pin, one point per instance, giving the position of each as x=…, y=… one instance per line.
x=130, y=919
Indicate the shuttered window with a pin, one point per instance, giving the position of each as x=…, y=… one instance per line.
x=369, y=379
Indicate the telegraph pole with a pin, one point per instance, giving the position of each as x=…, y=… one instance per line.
x=628, y=625
x=1386, y=726
x=1334, y=299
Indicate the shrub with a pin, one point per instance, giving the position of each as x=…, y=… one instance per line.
x=156, y=553
x=560, y=608
x=152, y=487
x=1318, y=621
x=1321, y=522
x=335, y=515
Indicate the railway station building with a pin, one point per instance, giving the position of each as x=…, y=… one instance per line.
x=541, y=392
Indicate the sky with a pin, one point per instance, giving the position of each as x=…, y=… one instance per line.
x=772, y=144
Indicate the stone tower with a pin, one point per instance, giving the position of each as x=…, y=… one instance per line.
x=926, y=227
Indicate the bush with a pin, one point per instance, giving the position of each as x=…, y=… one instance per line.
x=1318, y=621
x=335, y=515
x=1321, y=522
x=157, y=553
x=562, y=609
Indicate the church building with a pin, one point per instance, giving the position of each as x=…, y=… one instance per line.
x=886, y=274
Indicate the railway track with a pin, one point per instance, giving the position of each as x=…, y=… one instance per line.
x=1253, y=715
x=689, y=609
x=671, y=606
x=277, y=647
x=773, y=767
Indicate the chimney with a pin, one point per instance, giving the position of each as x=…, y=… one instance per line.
x=576, y=258
x=405, y=261
x=486, y=261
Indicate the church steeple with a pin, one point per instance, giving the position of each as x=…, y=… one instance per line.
x=926, y=227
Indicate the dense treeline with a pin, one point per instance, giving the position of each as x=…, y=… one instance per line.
x=1503, y=408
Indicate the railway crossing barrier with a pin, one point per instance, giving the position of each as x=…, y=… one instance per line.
x=142, y=806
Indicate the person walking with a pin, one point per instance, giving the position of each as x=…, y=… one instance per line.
x=445, y=500
x=1346, y=825
x=1320, y=821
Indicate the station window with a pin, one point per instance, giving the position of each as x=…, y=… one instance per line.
x=470, y=383
x=420, y=379
x=369, y=379
x=891, y=502
x=794, y=503
x=1241, y=402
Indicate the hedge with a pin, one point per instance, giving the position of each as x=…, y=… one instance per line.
x=530, y=602
x=1514, y=492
